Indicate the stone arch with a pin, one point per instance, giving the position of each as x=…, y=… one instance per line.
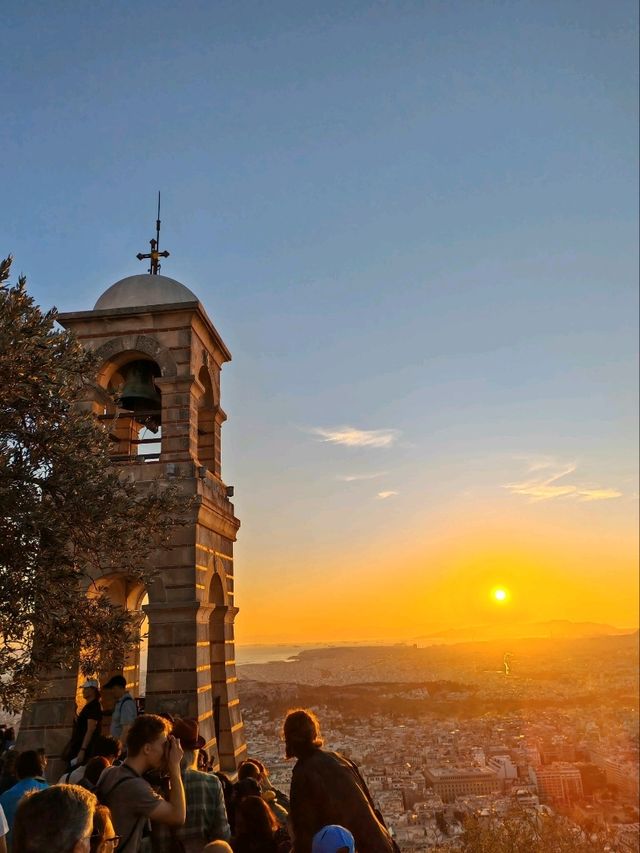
x=117, y=350
x=133, y=437
x=130, y=594
x=110, y=377
x=217, y=591
x=206, y=421
x=208, y=376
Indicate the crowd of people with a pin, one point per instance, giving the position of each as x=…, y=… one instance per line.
x=148, y=788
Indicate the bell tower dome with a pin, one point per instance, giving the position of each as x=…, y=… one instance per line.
x=160, y=358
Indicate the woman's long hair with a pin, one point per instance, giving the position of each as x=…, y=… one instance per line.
x=255, y=819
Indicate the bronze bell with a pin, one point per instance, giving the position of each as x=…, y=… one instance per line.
x=139, y=393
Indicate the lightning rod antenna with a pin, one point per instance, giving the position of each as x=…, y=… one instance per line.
x=158, y=223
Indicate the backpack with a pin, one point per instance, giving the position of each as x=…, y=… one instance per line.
x=139, y=704
x=99, y=789
x=103, y=797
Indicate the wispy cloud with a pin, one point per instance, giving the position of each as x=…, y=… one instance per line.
x=550, y=483
x=537, y=463
x=384, y=495
x=354, y=478
x=352, y=437
x=598, y=494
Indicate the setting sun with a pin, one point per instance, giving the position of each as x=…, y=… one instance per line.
x=500, y=594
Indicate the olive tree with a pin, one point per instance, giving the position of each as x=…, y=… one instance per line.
x=66, y=514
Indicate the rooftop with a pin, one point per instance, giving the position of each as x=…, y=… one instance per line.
x=136, y=291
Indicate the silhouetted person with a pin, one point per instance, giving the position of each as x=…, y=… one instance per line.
x=246, y=787
x=86, y=725
x=327, y=788
x=105, y=746
x=257, y=830
x=252, y=768
x=125, y=710
x=8, y=778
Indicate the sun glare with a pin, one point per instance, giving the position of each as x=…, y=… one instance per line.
x=500, y=595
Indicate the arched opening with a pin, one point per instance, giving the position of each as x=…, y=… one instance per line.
x=206, y=422
x=131, y=596
x=134, y=415
x=143, y=650
x=217, y=651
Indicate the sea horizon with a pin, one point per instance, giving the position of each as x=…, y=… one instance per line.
x=252, y=653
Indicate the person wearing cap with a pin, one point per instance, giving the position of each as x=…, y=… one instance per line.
x=327, y=789
x=86, y=726
x=333, y=839
x=124, y=711
x=206, y=818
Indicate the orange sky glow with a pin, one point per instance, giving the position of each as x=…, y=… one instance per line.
x=577, y=563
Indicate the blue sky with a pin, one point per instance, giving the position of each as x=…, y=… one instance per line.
x=410, y=217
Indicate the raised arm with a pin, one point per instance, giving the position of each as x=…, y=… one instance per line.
x=174, y=811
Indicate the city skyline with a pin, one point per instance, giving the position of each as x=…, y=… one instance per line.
x=415, y=227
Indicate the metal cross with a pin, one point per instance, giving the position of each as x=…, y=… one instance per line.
x=155, y=254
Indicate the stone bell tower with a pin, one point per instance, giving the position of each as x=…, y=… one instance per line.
x=160, y=353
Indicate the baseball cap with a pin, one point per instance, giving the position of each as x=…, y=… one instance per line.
x=332, y=838
x=91, y=682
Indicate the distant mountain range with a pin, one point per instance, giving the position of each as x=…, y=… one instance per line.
x=557, y=628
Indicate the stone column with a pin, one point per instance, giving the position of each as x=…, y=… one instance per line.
x=178, y=666
x=47, y=722
x=179, y=419
x=220, y=418
x=231, y=742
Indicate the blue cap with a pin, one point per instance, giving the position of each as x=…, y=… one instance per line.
x=332, y=838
